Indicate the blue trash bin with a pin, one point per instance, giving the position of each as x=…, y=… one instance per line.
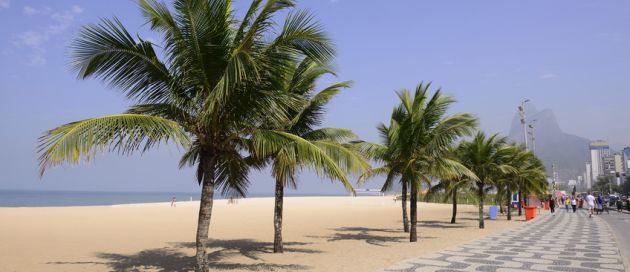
x=493, y=212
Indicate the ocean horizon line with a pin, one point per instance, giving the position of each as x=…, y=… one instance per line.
x=10, y=198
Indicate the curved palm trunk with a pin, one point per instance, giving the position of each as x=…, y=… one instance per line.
x=509, y=202
x=277, y=217
x=404, y=207
x=205, y=213
x=413, y=236
x=454, y=206
x=481, y=223
x=520, y=203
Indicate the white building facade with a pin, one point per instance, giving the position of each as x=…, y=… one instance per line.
x=588, y=176
x=599, y=149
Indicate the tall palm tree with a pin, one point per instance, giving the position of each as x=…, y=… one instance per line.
x=486, y=157
x=417, y=142
x=301, y=81
x=211, y=89
x=390, y=167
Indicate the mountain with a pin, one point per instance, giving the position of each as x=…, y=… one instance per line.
x=569, y=152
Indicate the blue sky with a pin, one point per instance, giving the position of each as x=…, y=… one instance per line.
x=571, y=56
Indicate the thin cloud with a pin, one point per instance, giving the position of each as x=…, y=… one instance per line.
x=36, y=39
x=549, y=76
x=30, y=11
x=5, y=4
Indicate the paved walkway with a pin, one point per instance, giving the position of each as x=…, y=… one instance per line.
x=564, y=242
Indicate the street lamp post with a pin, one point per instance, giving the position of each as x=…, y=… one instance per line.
x=521, y=111
x=531, y=132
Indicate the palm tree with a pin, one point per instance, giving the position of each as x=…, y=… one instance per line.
x=417, y=142
x=300, y=81
x=452, y=186
x=390, y=166
x=506, y=182
x=211, y=89
x=486, y=157
x=531, y=176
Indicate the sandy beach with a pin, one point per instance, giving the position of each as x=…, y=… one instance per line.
x=320, y=234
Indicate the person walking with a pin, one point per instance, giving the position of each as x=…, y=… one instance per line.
x=552, y=204
x=599, y=203
x=619, y=204
x=605, y=206
x=574, y=204
x=567, y=202
x=173, y=201
x=590, y=201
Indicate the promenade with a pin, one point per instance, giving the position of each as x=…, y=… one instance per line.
x=560, y=242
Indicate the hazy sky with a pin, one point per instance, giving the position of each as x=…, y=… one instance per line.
x=571, y=56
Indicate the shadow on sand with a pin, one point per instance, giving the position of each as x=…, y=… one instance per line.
x=172, y=259
x=372, y=236
x=439, y=225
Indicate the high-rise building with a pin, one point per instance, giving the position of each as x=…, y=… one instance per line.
x=588, y=176
x=619, y=163
x=608, y=163
x=599, y=149
x=626, y=159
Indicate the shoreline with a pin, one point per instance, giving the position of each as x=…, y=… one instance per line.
x=24, y=199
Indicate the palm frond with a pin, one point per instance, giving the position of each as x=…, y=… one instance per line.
x=308, y=154
x=122, y=133
x=109, y=52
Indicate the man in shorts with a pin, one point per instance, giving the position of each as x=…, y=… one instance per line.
x=590, y=200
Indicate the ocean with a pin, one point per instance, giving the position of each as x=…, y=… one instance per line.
x=20, y=198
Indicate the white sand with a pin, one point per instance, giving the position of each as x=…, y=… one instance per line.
x=320, y=234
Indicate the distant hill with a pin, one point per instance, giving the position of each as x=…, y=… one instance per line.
x=569, y=152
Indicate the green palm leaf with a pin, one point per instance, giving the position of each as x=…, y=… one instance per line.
x=122, y=133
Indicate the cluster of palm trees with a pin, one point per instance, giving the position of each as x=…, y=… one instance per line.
x=422, y=145
x=238, y=94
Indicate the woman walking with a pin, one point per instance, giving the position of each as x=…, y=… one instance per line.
x=599, y=203
x=567, y=202
x=574, y=203
x=552, y=204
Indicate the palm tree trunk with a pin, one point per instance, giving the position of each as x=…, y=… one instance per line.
x=454, y=206
x=481, y=223
x=413, y=236
x=404, y=207
x=509, y=202
x=205, y=214
x=520, y=203
x=277, y=217
x=525, y=199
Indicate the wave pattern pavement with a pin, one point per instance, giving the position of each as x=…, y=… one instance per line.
x=560, y=242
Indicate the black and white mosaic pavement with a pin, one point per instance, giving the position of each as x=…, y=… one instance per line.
x=564, y=242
